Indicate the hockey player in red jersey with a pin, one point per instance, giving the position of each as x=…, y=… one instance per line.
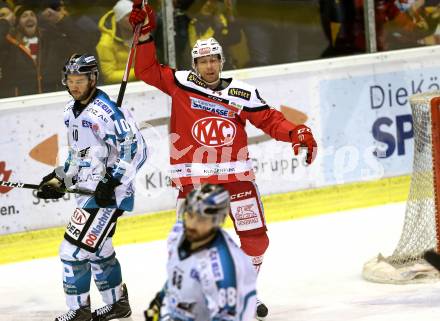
x=208, y=141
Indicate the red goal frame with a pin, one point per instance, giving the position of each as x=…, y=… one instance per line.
x=435, y=136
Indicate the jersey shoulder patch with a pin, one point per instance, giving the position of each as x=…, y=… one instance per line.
x=241, y=90
x=103, y=101
x=104, y=106
x=187, y=78
x=243, y=94
x=101, y=108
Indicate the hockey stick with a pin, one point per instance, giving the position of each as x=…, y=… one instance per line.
x=432, y=258
x=137, y=30
x=34, y=186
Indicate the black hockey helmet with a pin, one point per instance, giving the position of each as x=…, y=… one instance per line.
x=80, y=64
x=208, y=200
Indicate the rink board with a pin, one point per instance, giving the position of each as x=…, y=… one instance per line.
x=357, y=107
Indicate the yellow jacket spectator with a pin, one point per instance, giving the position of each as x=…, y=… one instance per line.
x=115, y=41
x=211, y=21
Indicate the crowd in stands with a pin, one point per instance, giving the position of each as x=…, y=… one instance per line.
x=37, y=37
x=399, y=24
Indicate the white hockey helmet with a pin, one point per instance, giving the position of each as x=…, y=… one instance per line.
x=208, y=200
x=206, y=47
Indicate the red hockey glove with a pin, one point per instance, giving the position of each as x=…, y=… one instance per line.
x=136, y=17
x=144, y=16
x=302, y=136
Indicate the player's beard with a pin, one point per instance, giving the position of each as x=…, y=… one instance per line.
x=194, y=236
x=85, y=95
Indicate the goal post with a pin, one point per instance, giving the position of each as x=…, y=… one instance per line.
x=435, y=129
x=421, y=227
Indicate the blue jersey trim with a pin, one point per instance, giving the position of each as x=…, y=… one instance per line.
x=144, y=155
x=126, y=154
x=74, y=255
x=127, y=204
x=67, y=162
x=227, y=261
x=75, y=263
x=110, y=137
x=228, y=267
x=103, y=260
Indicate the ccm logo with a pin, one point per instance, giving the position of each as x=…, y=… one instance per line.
x=214, y=131
x=240, y=195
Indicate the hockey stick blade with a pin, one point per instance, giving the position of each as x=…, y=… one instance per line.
x=432, y=258
x=34, y=186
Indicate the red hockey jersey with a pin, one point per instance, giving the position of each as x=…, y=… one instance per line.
x=208, y=141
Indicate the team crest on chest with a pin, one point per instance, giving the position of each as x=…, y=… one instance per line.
x=214, y=131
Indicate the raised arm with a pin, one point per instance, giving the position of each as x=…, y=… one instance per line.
x=147, y=67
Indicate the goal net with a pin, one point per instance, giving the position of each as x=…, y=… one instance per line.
x=421, y=226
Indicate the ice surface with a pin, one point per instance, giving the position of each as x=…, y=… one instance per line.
x=312, y=272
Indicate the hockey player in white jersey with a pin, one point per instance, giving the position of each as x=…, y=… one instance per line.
x=105, y=151
x=209, y=276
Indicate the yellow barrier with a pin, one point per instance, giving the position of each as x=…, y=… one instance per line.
x=278, y=207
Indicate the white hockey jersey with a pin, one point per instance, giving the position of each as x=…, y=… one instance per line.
x=103, y=137
x=215, y=283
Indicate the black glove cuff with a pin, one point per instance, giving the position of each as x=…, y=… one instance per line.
x=109, y=180
x=49, y=192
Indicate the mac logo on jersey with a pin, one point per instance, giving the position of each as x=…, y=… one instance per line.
x=214, y=131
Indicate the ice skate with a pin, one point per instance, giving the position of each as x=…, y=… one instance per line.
x=117, y=310
x=82, y=314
